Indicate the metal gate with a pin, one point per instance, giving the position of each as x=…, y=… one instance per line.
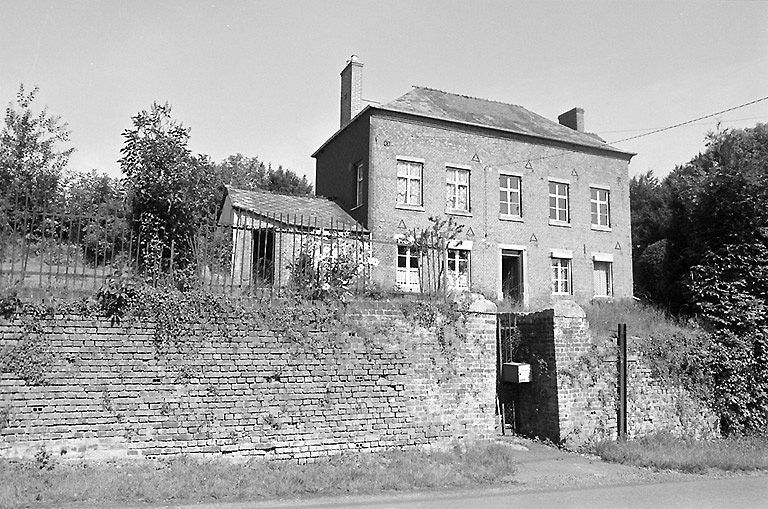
x=507, y=342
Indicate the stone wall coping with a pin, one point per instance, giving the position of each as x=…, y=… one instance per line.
x=568, y=309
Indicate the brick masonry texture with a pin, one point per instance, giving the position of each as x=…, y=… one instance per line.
x=572, y=398
x=443, y=147
x=249, y=392
x=378, y=140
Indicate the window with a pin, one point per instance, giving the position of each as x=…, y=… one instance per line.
x=510, y=200
x=458, y=268
x=561, y=276
x=359, y=185
x=603, y=279
x=407, y=269
x=457, y=189
x=409, y=183
x=558, y=202
x=599, y=200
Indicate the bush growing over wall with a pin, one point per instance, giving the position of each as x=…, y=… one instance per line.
x=719, y=367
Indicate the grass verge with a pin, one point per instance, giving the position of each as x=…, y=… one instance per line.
x=642, y=319
x=664, y=451
x=193, y=480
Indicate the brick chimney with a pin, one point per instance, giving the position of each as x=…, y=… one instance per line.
x=573, y=118
x=351, y=90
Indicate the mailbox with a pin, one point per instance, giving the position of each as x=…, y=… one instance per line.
x=516, y=372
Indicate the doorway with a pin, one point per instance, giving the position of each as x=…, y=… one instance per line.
x=512, y=277
x=263, y=257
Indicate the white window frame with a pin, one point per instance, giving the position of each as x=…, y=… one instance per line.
x=558, y=196
x=411, y=181
x=603, y=220
x=453, y=188
x=561, y=268
x=454, y=276
x=606, y=258
x=358, y=184
x=608, y=290
x=509, y=193
x=407, y=277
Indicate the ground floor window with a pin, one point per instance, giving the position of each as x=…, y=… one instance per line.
x=603, y=279
x=561, y=276
x=458, y=268
x=407, y=269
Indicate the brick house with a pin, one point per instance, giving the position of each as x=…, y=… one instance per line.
x=544, y=204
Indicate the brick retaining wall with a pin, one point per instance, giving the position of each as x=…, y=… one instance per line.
x=109, y=393
x=572, y=396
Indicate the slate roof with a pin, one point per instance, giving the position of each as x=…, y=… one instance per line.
x=293, y=210
x=437, y=104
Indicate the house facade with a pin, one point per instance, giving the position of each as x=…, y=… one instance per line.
x=544, y=205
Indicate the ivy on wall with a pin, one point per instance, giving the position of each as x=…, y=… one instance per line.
x=179, y=312
x=31, y=355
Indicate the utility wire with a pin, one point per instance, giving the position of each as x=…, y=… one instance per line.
x=562, y=152
x=692, y=121
x=697, y=123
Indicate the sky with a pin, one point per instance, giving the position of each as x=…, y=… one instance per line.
x=262, y=78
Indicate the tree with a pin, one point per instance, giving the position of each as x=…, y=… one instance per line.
x=96, y=212
x=719, y=198
x=168, y=189
x=250, y=173
x=32, y=157
x=712, y=263
x=86, y=192
x=649, y=201
x=243, y=172
x=286, y=182
x=649, y=210
x=724, y=267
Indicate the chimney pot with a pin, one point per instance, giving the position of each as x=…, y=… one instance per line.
x=573, y=118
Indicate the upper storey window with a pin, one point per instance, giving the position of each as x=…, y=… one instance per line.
x=600, y=206
x=558, y=202
x=457, y=189
x=510, y=201
x=409, y=182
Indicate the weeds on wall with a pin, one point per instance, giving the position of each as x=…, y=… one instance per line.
x=685, y=355
x=447, y=319
x=31, y=355
x=180, y=309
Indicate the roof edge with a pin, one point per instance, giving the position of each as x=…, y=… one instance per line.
x=606, y=148
x=334, y=135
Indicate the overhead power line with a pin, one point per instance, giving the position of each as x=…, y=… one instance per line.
x=562, y=152
x=692, y=120
x=761, y=117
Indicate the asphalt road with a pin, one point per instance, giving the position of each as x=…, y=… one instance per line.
x=733, y=492
x=747, y=491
